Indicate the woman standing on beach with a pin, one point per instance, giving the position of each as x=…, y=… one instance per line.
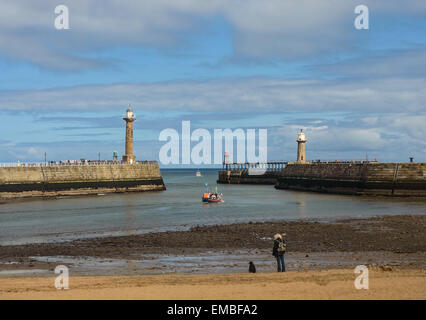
x=278, y=251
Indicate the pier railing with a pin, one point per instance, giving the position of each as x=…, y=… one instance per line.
x=272, y=166
x=267, y=166
x=69, y=163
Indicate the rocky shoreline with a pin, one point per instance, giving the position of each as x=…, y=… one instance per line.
x=399, y=240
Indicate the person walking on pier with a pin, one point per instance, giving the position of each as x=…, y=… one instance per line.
x=278, y=251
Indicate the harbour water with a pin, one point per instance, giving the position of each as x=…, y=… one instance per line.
x=180, y=207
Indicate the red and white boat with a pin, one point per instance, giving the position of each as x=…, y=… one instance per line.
x=210, y=197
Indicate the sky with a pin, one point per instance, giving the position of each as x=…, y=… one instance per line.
x=277, y=65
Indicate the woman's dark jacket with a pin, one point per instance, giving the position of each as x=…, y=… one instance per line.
x=275, y=252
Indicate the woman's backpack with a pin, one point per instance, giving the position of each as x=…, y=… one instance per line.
x=282, y=247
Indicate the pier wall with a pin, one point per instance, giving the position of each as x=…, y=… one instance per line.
x=382, y=179
x=373, y=178
x=242, y=177
x=62, y=180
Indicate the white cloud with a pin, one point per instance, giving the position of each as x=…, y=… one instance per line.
x=261, y=29
x=391, y=110
x=394, y=137
x=243, y=95
x=395, y=63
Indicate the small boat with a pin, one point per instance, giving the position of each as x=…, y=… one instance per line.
x=212, y=197
x=198, y=173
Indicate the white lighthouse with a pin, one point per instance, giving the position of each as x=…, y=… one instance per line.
x=301, y=140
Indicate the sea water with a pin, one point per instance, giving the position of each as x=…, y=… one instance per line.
x=180, y=207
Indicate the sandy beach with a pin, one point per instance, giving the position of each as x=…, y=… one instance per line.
x=398, y=241
x=384, y=283
x=210, y=262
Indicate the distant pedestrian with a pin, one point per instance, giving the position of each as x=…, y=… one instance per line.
x=252, y=268
x=278, y=251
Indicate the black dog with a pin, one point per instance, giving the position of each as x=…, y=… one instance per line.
x=252, y=268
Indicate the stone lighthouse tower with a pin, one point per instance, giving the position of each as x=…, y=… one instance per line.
x=301, y=140
x=129, y=117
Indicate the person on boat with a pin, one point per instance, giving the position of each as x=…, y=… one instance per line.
x=278, y=251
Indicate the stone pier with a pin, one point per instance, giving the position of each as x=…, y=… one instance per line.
x=67, y=180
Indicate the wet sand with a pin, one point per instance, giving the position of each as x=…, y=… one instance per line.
x=211, y=262
x=398, y=241
x=330, y=284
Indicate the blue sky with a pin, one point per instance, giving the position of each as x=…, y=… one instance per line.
x=280, y=65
